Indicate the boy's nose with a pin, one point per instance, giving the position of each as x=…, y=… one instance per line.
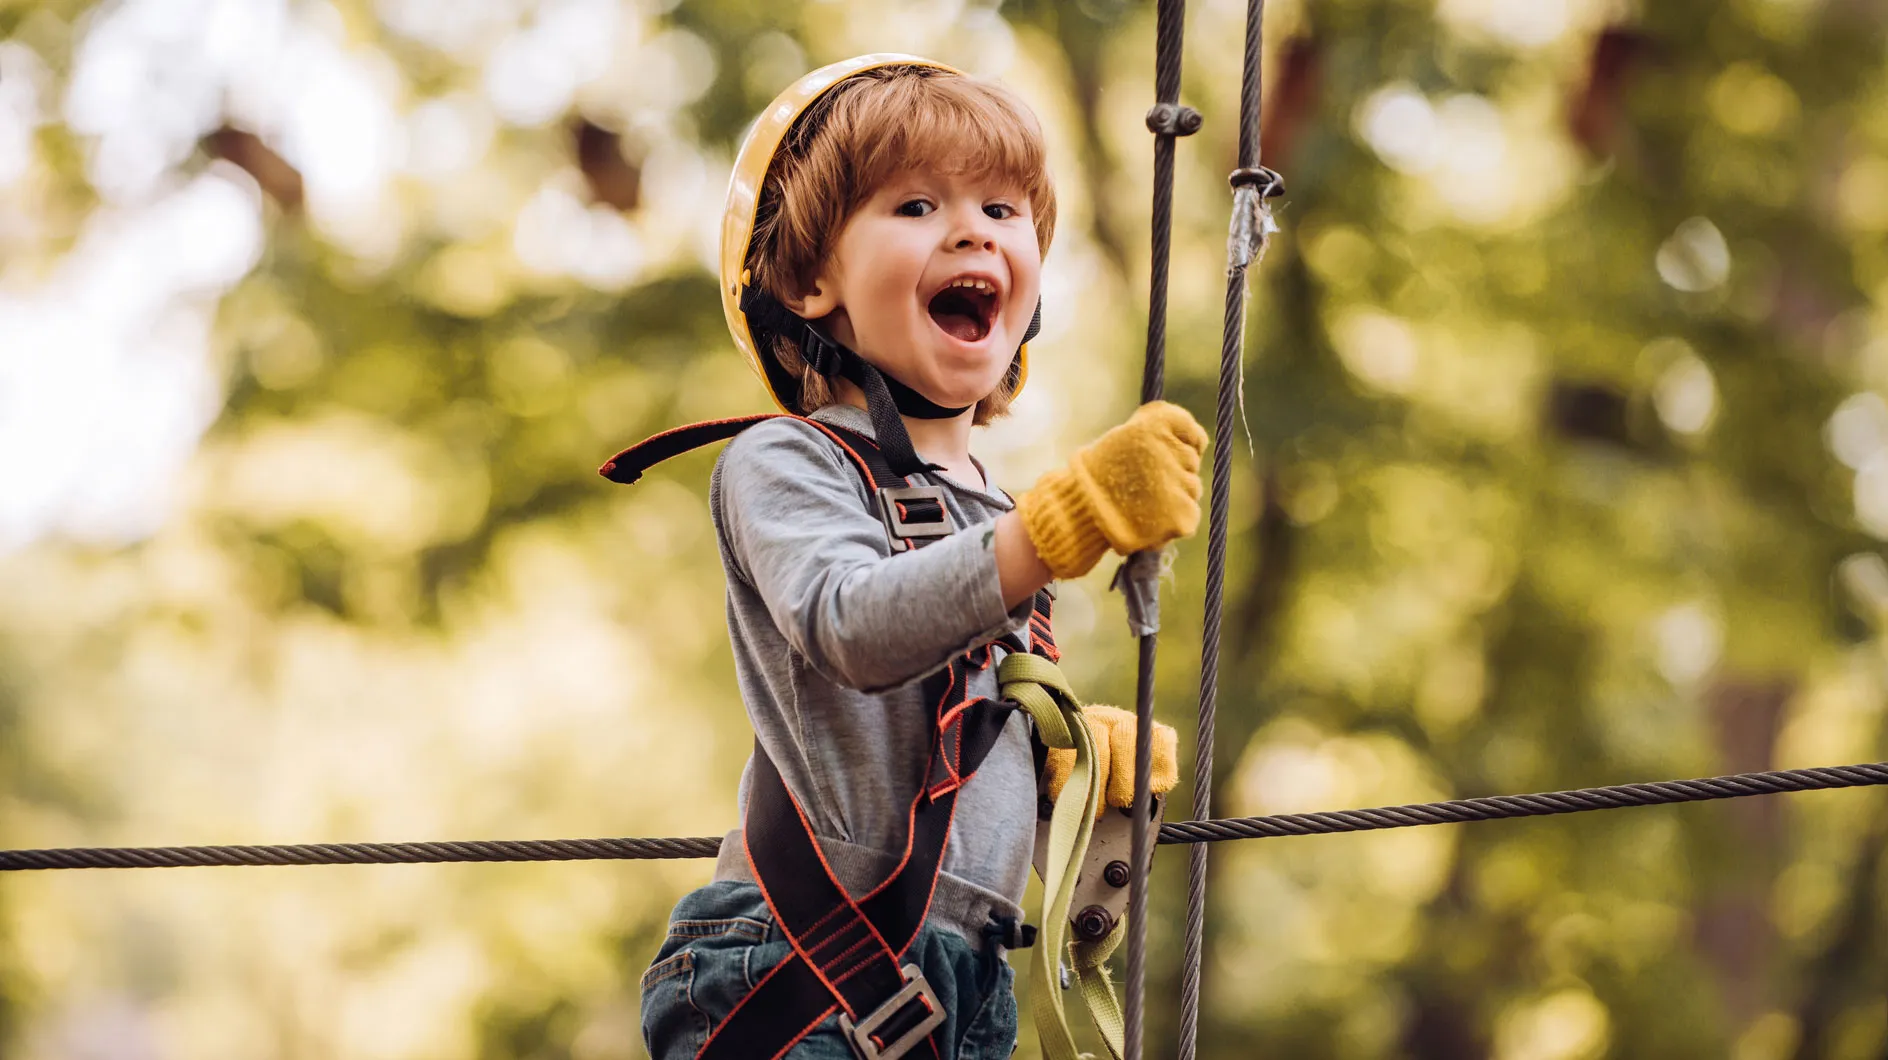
x=972, y=230
x=972, y=235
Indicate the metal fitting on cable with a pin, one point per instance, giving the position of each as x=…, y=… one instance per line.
x=1246, y=234
x=1251, y=221
x=1270, y=184
x=1138, y=580
x=1173, y=119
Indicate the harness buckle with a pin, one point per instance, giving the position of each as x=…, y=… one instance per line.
x=913, y=515
x=864, y=1037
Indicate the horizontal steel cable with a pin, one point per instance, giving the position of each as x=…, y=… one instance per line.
x=359, y=853
x=1458, y=811
x=1497, y=807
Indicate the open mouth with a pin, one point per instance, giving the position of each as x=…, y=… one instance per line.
x=965, y=309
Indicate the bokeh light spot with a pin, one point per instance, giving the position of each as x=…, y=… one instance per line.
x=1379, y=349
x=1695, y=258
x=1570, y=1024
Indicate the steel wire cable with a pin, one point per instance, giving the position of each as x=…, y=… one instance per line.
x=1457, y=811
x=1231, y=355
x=360, y=853
x=1167, y=119
x=1498, y=807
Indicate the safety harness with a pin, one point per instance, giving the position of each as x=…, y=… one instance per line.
x=848, y=949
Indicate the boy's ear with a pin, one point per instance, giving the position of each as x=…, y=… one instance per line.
x=818, y=301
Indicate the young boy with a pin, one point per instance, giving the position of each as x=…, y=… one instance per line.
x=881, y=266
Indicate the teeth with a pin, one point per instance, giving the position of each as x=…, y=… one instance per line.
x=979, y=285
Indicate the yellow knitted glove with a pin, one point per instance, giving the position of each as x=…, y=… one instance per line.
x=1113, y=729
x=1136, y=487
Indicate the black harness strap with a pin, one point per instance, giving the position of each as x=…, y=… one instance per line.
x=627, y=466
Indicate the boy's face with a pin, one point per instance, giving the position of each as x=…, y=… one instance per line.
x=934, y=280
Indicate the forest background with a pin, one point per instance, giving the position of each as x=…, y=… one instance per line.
x=1563, y=462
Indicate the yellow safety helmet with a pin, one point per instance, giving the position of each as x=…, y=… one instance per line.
x=744, y=185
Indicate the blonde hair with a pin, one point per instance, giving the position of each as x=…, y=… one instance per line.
x=854, y=138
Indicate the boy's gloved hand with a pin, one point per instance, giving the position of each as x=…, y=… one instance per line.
x=1136, y=487
x=1113, y=729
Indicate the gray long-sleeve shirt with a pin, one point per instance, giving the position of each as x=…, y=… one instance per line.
x=832, y=635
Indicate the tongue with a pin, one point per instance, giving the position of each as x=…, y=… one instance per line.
x=959, y=325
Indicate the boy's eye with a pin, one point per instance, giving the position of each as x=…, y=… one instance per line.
x=914, y=208
x=999, y=211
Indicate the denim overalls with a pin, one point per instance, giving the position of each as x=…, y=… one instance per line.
x=722, y=941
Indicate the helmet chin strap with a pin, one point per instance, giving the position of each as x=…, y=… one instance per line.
x=886, y=399
x=909, y=401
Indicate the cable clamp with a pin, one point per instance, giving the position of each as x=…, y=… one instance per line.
x=1173, y=119
x=1251, y=224
x=1260, y=176
x=1138, y=581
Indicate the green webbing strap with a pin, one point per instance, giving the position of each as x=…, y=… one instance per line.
x=1039, y=687
x=1091, y=973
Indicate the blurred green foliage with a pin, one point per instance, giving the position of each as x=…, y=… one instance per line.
x=1561, y=464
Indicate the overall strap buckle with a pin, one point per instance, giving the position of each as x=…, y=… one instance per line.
x=914, y=515
x=1009, y=932
x=896, y=1027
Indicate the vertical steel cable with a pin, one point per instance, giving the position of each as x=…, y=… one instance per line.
x=1141, y=581
x=1165, y=122
x=1250, y=185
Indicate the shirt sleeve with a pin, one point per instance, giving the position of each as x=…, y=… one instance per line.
x=796, y=524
